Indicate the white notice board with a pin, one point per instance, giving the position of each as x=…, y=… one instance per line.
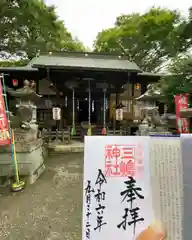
x=117, y=198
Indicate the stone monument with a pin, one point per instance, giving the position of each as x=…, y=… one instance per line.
x=22, y=115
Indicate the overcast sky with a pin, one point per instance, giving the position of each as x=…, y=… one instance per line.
x=85, y=18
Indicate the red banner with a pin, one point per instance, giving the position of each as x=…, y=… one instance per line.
x=181, y=102
x=4, y=127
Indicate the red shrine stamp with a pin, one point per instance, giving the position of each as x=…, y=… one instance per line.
x=123, y=160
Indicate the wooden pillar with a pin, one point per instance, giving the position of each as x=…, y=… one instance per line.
x=128, y=98
x=143, y=88
x=117, y=98
x=108, y=108
x=58, y=122
x=37, y=86
x=37, y=91
x=132, y=103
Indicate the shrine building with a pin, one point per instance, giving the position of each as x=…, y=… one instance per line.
x=87, y=87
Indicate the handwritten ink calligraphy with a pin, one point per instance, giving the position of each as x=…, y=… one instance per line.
x=100, y=198
x=131, y=214
x=131, y=192
x=88, y=194
x=100, y=178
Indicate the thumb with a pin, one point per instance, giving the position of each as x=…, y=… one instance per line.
x=154, y=232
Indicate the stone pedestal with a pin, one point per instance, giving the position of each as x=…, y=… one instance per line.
x=29, y=157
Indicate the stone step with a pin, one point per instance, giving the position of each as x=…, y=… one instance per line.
x=74, y=147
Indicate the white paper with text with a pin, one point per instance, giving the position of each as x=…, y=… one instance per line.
x=117, y=198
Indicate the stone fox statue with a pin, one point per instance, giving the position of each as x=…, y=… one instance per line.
x=21, y=117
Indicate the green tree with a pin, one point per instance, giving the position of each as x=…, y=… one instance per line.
x=20, y=63
x=73, y=45
x=32, y=26
x=187, y=33
x=149, y=39
x=179, y=80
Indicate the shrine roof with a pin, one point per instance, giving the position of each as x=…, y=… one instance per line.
x=85, y=61
x=148, y=77
x=148, y=74
x=26, y=68
x=19, y=69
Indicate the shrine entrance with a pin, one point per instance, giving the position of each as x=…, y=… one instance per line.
x=83, y=111
x=83, y=115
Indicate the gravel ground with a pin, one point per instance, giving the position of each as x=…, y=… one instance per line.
x=50, y=209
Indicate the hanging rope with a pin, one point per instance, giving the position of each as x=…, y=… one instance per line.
x=104, y=130
x=89, y=132
x=49, y=102
x=104, y=110
x=73, y=130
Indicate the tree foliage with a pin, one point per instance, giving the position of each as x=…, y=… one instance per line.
x=187, y=33
x=149, y=39
x=20, y=63
x=32, y=26
x=179, y=80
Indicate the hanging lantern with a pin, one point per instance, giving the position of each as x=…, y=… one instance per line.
x=15, y=82
x=56, y=111
x=137, y=86
x=119, y=114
